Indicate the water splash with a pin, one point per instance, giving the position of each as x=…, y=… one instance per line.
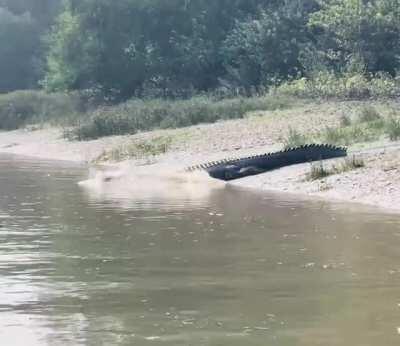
x=160, y=183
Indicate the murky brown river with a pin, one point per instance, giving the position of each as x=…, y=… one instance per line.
x=222, y=266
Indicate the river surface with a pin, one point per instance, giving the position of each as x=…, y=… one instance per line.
x=166, y=265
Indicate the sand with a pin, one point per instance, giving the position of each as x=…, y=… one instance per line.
x=378, y=183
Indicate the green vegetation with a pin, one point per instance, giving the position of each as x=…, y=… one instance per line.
x=25, y=107
x=139, y=115
x=351, y=163
x=146, y=64
x=319, y=171
x=368, y=114
x=23, y=25
x=393, y=128
x=345, y=120
x=153, y=48
x=348, y=135
x=330, y=85
x=295, y=139
x=367, y=125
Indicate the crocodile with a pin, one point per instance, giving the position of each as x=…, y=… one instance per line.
x=236, y=168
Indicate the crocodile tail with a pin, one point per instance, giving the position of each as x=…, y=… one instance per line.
x=309, y=152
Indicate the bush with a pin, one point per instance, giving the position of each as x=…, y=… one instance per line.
x=369, y=126
x=393, y=129
x=363, y=131
x=142, y=115
x=325, y=84
x=368, y=114
x=357, y=133
x=318, y=171
x=20, y=108
x=345, y=120
x=335, y=136
x=350, y=163
x=294, y=139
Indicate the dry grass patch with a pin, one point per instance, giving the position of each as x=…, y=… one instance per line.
x=138, y=149
x=368, y=113
x=393, y=128
x=295, y=139
x=319, y=171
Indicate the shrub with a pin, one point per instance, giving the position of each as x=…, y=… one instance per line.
x=345, y=120
x=368, y=114
x=294, y=139
x=353, y=134
x=317, y=171
x=349, y=164
x=141, y=115
x=393, y=128
x=334, y=136
x=20, y=108
x=325, y=84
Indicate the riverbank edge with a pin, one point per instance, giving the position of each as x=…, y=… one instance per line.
x=377, y=184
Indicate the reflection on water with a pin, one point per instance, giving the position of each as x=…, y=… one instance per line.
x=186, y=263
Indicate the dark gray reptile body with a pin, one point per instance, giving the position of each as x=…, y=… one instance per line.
x=231, y=169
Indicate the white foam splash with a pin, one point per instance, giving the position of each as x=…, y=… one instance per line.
x=160, y=182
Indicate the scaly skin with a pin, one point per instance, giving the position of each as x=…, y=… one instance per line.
x=232, y=169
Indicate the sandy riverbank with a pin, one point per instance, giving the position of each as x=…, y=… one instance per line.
x=378, y=183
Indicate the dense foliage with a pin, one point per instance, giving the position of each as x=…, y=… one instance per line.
x=177, y=48
x=22, y=52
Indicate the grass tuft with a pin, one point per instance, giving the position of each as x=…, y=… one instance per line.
x=367, y=114
x=294, y=139
x=318, y=171
x=142, y=115
x=345, y=120
x=356, y=133
x=393, y=128
x=334, y=136
x=349, y=164
x=328, y=85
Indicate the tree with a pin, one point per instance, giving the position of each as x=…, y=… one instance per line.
x=266, y=49
x=22, y=24
x=18, y=45
x=43, y=11
x=133, y=46
x=72, y=54
x=361, y=30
